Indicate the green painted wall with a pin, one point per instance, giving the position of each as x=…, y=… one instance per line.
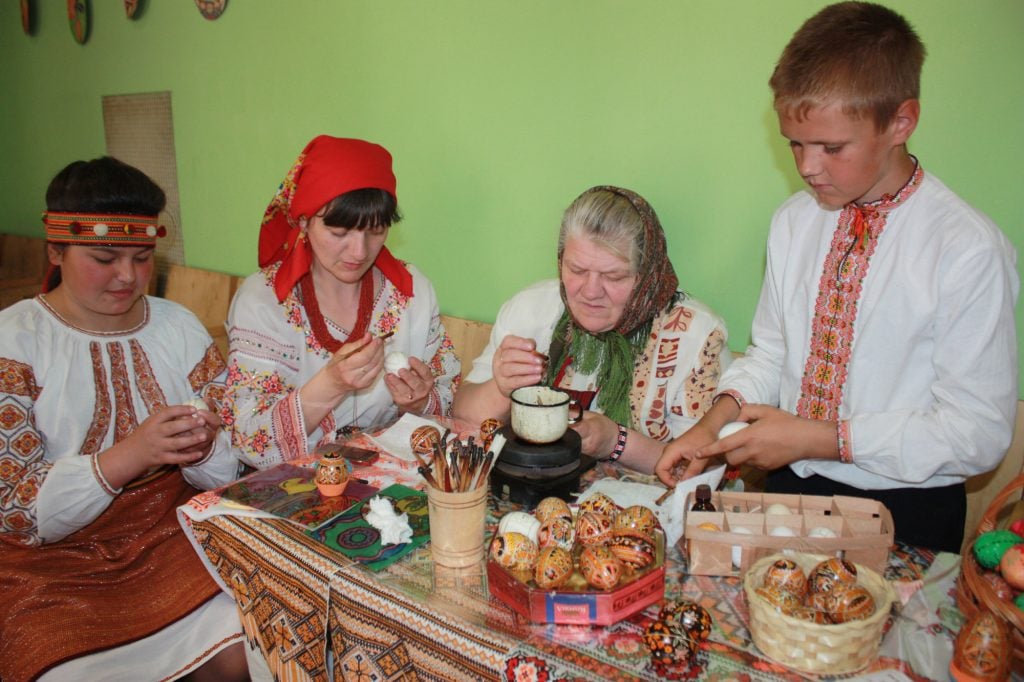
x=498, y=114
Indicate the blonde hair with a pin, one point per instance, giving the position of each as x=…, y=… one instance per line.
x=862, y=55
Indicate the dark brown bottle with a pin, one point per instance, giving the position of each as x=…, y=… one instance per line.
x=703, y=499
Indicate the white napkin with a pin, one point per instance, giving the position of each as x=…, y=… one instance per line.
x=395, y=439
x=394, y=529
x=671, y=513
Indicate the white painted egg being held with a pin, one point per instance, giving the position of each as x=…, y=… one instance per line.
x=731, y=428
x=395, y=361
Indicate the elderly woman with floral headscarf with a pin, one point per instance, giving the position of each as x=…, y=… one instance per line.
x=308, y=332
x=642, y=357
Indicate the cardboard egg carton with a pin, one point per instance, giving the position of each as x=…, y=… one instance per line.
x=863, y=531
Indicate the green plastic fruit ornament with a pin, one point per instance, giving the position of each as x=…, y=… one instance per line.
x=990, y=546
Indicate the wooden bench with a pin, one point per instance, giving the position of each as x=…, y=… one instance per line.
x=207, y=294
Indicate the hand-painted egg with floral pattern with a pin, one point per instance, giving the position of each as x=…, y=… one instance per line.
x=786, y=574
x=514, y=551
x=488, y=428
x=593, y=528
x=557, y=532
x=667, y=647
x=600, y=503
x=850, y=602
x=552, y=507
x=783, y=601
x=983, y=648
x=599, y=567
x=637, y=517
x=634, y=549
x=423, y=439
x=554, y=566
x=812, y=615
x=825, y=575
x=685, y=616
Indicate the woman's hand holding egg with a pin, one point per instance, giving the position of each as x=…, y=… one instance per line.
x=356, y=365
x=517, y=363
x=410, y=385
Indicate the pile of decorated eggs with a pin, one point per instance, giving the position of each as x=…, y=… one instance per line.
x=828, y=594
x=600, y=545
x=673, y=639
x=1002, y=553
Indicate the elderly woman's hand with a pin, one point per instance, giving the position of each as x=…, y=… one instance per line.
x=517, y=363
x=598, y=433
x=411, y=387
x=357, y=364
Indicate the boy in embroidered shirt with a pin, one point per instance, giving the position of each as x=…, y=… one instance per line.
x=883, y=361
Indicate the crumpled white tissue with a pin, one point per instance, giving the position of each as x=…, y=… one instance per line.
x=394, y=529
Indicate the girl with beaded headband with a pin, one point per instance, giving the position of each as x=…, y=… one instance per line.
x=308, y=332
x=96, y=381
x=613, y=331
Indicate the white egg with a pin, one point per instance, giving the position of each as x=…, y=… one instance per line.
x=519, y=522
x=737, y=551
x=821, y=532
x=197, y=403
x=778, y=509
x=395, y=361
x=782, y=532
x=731, y=428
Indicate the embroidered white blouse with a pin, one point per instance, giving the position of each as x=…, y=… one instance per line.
x=929, y=393
x=66, y=394
x=273, y=353
x=676, y=376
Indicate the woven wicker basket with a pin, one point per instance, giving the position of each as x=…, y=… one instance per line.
x=974, y=593
x=810, y=647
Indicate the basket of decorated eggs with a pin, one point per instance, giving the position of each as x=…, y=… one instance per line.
x=817, y=614
x=992, y=571
x=592, y=564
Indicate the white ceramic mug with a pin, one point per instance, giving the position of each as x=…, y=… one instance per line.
x=541, y=414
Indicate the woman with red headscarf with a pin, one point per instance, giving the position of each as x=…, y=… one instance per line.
x=308, y=333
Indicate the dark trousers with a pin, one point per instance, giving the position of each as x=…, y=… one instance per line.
x=924, y=517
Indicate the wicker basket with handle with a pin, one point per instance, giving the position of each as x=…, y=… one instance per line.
x=811, y=647
x=974, y=593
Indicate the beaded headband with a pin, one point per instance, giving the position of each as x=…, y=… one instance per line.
x=102, y=228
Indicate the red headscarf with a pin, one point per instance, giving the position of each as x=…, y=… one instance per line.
x=328, y=167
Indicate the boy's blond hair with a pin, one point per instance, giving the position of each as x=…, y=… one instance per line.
x=863, y=55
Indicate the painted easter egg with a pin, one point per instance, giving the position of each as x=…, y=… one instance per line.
x=423, y=439
x=983, y=648
x=600, y=503
x=1001, y=588
x=824, y=576
x=787, y=575
x=668, y=648
x=488, y=428
x=557, y=532
x=990, y=547
x=684, y=616
x=599, y=567
x=554, y=566
x=514, y=551
x=1011, y=566
x=593, y=528
x=784, y=601
x=851, y=602
x=637, y=517
x=551, y=507
x=633, y=548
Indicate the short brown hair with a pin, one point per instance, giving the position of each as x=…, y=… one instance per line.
x=863, y=55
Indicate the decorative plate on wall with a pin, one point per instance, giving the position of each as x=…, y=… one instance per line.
x=78, y=18
x=211, y=9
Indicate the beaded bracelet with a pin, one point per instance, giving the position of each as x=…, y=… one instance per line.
x=620, y=444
